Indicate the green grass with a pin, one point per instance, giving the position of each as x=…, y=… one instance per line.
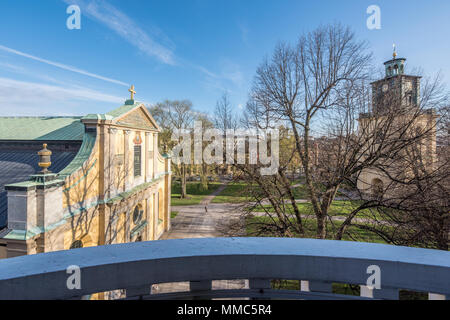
x=195, y=194
x=237, y=192
x=338, y=208
x=233, y=193
x=300, y=192
x=345, y=289
x=338, y=288
x=173, y=214
x=310, y=230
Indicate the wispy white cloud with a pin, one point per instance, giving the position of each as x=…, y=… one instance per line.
x=232, y=72
x=230, y=76
x=61, y=66
x=155, y=44
x=205, y=71
x=20, y=93
x=30, y=73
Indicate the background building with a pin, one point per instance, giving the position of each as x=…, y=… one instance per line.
x=396, y=103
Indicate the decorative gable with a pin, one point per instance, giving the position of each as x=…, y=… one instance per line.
x=138, y=119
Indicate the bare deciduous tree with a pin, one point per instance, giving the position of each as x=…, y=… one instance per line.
x=319, y=90
x=176, y=116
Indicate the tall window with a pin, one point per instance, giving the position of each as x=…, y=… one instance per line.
x=159, y=195
x=137, y=161
x=137, y=214
x=409, y=99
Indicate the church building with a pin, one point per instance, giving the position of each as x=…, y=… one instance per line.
x=397, y=97
x=71, y=182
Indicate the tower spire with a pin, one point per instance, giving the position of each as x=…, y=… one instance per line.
x=395, y=66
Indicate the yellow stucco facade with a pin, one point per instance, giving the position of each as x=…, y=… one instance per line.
x=376, y=182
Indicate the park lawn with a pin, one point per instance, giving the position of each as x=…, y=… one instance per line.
x=300, y=192
x=235, y=192
x=310, y=230
x=195, y=195
x=338, y=208
x=338, y=288
x=238, y=190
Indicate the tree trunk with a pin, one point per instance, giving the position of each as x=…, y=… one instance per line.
x=183, y=181
x=321, y=227
x=203, y=177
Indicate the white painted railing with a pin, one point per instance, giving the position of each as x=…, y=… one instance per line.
x=135, y=267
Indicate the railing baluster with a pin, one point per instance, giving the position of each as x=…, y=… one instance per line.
x=260, y=284
x=383, y=293
x=139, y=291
x=304, y=285
x=320, y=286
x=437, y=296
x=196, y=286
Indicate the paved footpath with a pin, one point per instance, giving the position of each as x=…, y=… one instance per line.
x=197, y=222
x=201, y=221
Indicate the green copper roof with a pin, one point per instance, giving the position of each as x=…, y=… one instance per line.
x=129, y=105
x=41, y=128
x=116, y=113
x=82, y=156
x=97, y=116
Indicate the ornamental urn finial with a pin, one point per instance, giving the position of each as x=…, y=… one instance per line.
x=45, y=159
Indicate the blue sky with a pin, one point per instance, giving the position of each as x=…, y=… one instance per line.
x=183, y=49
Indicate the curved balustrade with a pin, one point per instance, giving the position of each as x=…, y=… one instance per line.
x=317, y=263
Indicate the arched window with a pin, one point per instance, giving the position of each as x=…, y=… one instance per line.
x=77, y=244
x=395, y=69
x=409, y=99
x=137, y=214
x=377, y=188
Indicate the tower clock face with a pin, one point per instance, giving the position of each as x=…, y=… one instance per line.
x=385, y=87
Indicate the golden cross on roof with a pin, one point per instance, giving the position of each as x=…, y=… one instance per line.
x=131, y=90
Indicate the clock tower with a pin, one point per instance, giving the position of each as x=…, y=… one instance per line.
x=396, y=101
x=396, y=89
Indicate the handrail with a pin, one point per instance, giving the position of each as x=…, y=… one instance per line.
x=139, y=265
